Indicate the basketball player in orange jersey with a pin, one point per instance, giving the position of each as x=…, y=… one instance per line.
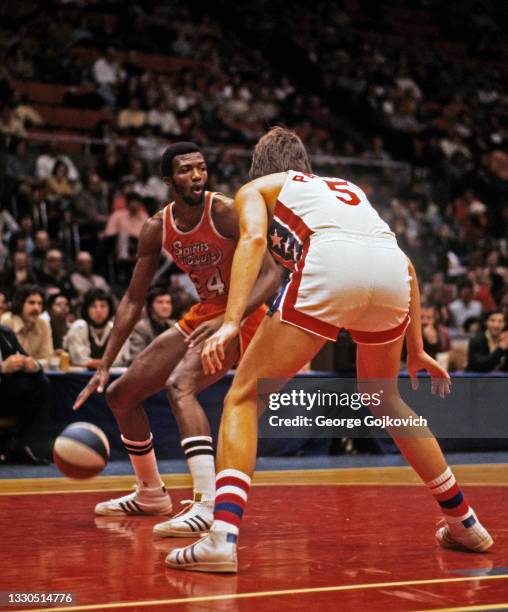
x=200, y=231
x=346, y=271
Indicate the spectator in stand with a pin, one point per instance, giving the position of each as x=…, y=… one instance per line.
x=26, y=225
x=32, y=331
x=496, y=269
x=481, y=284
x=91, y=209
x=19, y=165
x=45, y=163
x=108, y=74
x=18, y=243
x=8, y=225
x=150, y=147
x=120, y=199
x=472, y=326
x=23, y=111
x=125, y=225
x=488, y=351
x=435, y=336
x=164, y=120
x=83, y=279
x=464, y=306
x=87, y=337
x=139, y=173
x=25, y=395
x=42, y=244
x=18, y=272
x=10, y=125
x=53, y=273
x=133, y=118
x=110, y=166
x=58, y=309
x=58, y=184
x=159, y=308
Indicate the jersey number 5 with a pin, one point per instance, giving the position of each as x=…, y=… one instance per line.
x=353, y=199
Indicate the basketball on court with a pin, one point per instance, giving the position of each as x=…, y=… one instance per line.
x=81, y=451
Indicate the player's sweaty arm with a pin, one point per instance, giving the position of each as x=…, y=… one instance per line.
x=131, y=305
x=417, y=358
x=266, y=285
x=253, y=223
x=414, y=339
x=270, y=275
x=251, y=204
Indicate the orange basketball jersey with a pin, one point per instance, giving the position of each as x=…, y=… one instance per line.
x=202, y=253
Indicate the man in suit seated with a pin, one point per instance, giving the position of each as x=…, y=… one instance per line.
x=25, y=396
x=488, y=351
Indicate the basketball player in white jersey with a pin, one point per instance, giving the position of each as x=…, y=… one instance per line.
x=346, y=271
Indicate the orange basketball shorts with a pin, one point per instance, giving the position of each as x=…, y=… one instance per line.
x=201, y=312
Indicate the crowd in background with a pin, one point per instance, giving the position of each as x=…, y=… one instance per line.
x=356, y=88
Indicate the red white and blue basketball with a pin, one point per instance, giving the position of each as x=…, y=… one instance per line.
x=81, y=451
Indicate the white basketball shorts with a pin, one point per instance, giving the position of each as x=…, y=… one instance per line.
x=358, y=282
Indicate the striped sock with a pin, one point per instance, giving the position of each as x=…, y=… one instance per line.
x=143, y=461
x=232, y=491
x=199, y=454
x=451, y=499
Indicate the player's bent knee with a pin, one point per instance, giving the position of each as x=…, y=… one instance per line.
x=116, y=398
x=177, y=390
x=241, y=396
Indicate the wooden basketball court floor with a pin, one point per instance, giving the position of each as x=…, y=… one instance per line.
x=337, y=539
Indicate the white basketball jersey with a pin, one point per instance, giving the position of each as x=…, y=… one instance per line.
x=309, y=204
x=324, y=202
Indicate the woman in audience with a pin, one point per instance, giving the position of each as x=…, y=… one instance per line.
x=86, y=339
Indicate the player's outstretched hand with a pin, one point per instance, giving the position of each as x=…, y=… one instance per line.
x=97, y=383
x=440, y=379
x=203, y=331
x=214, y=349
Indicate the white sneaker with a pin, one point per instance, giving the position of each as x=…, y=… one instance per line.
x=142, y=501
x=469, y=534
x=194, y=520
x=215, y=552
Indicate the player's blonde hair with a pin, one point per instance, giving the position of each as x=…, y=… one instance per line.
x=279, y=150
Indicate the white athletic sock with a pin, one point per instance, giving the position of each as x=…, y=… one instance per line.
x=448, y=495
x=199, y=454
x=143, y=461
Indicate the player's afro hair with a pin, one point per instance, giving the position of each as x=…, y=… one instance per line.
x=178, y=148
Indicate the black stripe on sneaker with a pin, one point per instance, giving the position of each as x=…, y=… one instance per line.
x=194, y=522
x=188, y=445
x=137, y=506
x=200, y=521
x=192, y=553
x=138, y=452
x=199, y=451
x=190, y=525
x=124, y=508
